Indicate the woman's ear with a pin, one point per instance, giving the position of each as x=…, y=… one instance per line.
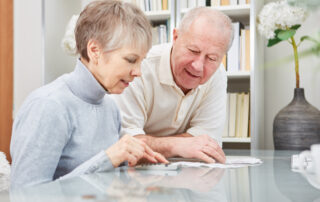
x=94, y=51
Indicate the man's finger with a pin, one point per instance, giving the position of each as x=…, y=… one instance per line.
x=214, y=154
x=202, y=156
x=217, y=147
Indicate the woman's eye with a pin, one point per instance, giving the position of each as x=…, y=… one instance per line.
x=132, y=61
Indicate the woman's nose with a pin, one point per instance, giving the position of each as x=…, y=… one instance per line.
x=136, y=71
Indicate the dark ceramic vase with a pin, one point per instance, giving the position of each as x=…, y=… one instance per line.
x=297, y=126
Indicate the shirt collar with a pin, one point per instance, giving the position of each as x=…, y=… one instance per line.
x=165, y=73
x=84, y=85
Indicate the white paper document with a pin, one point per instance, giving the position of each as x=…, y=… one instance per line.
x=231, y=162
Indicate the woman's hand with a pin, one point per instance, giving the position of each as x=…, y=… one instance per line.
x=132, y=150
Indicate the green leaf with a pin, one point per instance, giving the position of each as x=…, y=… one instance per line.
x=277, y=31
x=273, y=41
x=309, y=39
x=304, y=37
x=286, y=34
x=295, y=27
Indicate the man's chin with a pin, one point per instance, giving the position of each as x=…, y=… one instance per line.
x=187, y=88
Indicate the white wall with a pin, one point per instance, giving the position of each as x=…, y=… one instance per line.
x=38, y=56
x=57, y=16
x=28, y=52
x=280, y=78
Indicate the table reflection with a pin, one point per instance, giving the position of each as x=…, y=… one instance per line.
x=185, y=184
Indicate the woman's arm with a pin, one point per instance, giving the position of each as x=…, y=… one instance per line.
x=40, y=132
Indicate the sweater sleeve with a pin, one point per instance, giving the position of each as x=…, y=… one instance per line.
x=40, y=132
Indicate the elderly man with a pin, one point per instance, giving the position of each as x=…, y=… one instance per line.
x=178, y=106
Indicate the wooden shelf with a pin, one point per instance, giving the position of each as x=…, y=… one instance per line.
x=158, y=15
x=236, y=139
x=238, y=75
x=234, y=11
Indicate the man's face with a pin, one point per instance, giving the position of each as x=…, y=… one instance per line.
x=197, y=53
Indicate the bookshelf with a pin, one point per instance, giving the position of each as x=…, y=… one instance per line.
x=161, y=15
x=245, y=81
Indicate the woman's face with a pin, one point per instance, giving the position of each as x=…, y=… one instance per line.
x=114, y=70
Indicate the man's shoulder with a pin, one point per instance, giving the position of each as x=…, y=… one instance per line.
x=152, y=61
x=157, y=50
x=219, y=75
x=219, y=78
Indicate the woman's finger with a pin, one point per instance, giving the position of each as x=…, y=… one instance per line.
x=132, y=160
x=160, y=158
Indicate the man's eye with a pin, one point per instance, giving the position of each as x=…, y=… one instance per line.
x=212, y=59
x=194, y=51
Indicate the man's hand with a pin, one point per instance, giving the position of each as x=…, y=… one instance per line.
x=202, y=147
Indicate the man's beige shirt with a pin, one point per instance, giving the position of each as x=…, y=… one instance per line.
x=153, y=104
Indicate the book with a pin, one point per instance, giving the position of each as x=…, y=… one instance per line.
x=233, y=2
x=247, y=50
x=225, y=3
x=232, y=114
x=226, y=126
x=183, y=4
x=242, y=2
x=233, y=55
x=245, y=116
x=192, y=3
x=224, y=62
x=239, y=114
x=215, y=3
x=242, y=50
x=164, y=4
x=201, y=3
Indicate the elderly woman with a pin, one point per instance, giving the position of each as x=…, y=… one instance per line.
x=71, y=126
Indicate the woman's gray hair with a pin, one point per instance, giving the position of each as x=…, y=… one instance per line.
x=113, y=24
x=214, y=16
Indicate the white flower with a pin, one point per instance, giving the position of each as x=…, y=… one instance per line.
x=279, y=15
x=4, y=172
x=69, y=42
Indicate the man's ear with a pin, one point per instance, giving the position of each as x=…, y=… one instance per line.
x=93, y=51
x=175, y=34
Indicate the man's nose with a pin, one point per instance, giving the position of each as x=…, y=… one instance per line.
x=198, y=64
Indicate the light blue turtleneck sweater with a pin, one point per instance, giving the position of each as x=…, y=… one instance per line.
x=63, y=130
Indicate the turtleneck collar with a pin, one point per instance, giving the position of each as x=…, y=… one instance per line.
x=83, y=84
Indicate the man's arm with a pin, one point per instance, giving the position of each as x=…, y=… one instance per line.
x=185, y=145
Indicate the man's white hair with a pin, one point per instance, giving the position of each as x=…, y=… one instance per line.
x=212, y=15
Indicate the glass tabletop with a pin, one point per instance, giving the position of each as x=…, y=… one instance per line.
x=271, y=181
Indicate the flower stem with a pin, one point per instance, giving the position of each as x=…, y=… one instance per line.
x=296, y=61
